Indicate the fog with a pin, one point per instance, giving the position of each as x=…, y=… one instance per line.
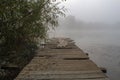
x=95, y=27
x=100, y=40
x=95, y=10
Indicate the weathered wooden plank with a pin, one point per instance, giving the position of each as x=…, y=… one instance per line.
x=55, y=51
x=72, y=76
x=64, y=54
x=61, y=64
x=64, y=79
x=63, y=74
x=60, y=72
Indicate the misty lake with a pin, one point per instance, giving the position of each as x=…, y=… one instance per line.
x=102, y=44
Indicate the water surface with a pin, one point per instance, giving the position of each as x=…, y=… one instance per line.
x=102, y=44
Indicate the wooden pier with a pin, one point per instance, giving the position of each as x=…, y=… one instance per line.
x=61, y=63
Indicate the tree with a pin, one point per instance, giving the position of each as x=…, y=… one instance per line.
x=24, y=21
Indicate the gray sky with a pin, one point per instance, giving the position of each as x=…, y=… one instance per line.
x=95, y=10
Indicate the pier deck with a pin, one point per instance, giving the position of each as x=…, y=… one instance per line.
x=69, y=63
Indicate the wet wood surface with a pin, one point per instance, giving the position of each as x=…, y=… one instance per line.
x=63, y=63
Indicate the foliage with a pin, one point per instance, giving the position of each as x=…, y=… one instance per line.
x=23, y=22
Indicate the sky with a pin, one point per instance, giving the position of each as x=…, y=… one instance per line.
x=94, y=10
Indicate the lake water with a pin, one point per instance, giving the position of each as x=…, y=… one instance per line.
x=103, y=46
